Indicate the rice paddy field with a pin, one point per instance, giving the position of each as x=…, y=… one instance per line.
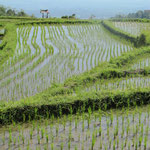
x=124, y=129
x=51, y=54
x=121, y=84
x=133, y=28
x=73, y=85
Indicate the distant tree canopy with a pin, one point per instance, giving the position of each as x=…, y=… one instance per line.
x=69, y=17
x=139, y=14
x=11, y=12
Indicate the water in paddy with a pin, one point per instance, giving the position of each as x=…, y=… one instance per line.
x=125, y=129
x=133, y=28
x=50, y=54
x=142, y=63
x=2, y=31
x=120, y=84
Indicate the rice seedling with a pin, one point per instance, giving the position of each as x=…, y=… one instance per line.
x=134, y=28
x=120, y=84
x=44, y=55
x=121, y=133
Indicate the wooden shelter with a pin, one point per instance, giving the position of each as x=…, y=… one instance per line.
x=44, y=12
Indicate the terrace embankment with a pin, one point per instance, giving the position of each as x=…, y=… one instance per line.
x=39, y=106
x=138, y=41
x=62, y=97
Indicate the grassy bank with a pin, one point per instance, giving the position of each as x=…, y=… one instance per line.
x=56, y=21
x=62, y=97
x=37, y=107
x=8, y=45
x=109, y=26
x=138, y=41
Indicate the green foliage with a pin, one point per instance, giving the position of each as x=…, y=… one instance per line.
x=64, y=17
x=112, y=99
x=109, y=26
x=139, y=14
x=138, y=41
x=8, y=45
x=2, y=11
x=69, y=17
x=57, y=99
x=11, y=12
x=141, y=40
x=147, y=35
x=130, y=20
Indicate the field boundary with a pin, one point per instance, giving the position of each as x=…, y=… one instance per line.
x=137, y=41
x=58, y=21
x=28, y=110
x=130, y=20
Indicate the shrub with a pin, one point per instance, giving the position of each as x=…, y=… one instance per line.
x=64, y=17
x=141, y=40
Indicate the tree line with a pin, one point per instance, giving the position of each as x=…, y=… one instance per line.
x=12, y=12
x=139, y=14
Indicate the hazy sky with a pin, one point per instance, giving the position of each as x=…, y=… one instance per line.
x=83, y=8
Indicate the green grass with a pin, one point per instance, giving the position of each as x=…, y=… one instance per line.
x=44, y=103
x=131, y=20
x=8, y=45
x=109, y=26
x=147, y=34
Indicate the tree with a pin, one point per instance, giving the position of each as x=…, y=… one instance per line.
x=139, y=14
x=147, y=14
x=2, y=11
x=64, y=17
x=141, y=40
x=11, y=12
x=22, y=13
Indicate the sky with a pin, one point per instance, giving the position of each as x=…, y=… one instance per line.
x=82, y=8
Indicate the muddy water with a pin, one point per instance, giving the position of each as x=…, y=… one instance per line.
x=75, y=49
x=112, y=130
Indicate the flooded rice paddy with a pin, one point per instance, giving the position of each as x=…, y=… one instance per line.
x=120, y=84
x=141, y=64
x=133, y=28
x=122, y=130
x=46, y=55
